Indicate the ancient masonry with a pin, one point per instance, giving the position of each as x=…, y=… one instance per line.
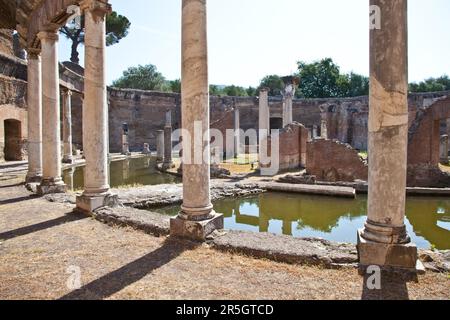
x=40, y=98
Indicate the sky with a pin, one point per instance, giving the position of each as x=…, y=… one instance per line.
x=249, y=39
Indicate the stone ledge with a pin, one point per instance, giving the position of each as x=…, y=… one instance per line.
x=148, y=222
x=287, y=249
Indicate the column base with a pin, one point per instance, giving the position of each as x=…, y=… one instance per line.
x=168, y=165
x=89, y=204
x=33, y=178
x=371, y=253
x=196, y=230
x=50, y=187
x=68, y=160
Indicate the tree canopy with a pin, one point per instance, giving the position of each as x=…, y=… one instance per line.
x=274, y=83
x=144, y=78
x=431, y=85
x=117, y=27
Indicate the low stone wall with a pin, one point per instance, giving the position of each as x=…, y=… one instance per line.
x=333, y=161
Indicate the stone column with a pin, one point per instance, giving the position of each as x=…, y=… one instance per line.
x=67, y=126
x=288, y=96
x=324, y=129
x=444, y=150
x=197, y=218
x=160, y=145
x=95, y=110
x=384, y=240
x=125, y=141
x=51, y=135
x=168, y=161
x=34, y=101
x=315, y=132
x=237, y=133
x=264, y=122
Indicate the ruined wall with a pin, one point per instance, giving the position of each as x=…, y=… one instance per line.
x=424, y=145
x=292, y=146
x=13, y=107
x=331, y=160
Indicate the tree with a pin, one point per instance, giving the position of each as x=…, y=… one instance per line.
x=142, y=77
x=117, y=27
x=235, y=91
x=252, y=92
x=175, y=86
x=431, y=85
x=274, y=83
x=319, y=79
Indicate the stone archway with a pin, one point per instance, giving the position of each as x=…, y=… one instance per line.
x=13, y=140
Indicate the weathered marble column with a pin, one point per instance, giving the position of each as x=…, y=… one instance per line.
x=51, y=135
x=384, y=240
x=237, y=133
x=168, y=160
x=34, y=102
x=197, y=218
x=67, y=126
x=324, y=129
x=264, y=122
x=160, y=145
x=95, y=110
x=315, y=132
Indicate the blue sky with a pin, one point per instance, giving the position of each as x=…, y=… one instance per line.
x=249, y=39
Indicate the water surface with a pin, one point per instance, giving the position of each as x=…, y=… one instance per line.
x=334, y=219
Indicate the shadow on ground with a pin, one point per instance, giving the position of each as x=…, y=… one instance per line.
x=119, y=279
x=70, y=217
x=393, y=286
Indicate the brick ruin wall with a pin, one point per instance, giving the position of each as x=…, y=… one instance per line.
x=331, y=160
x=13, y=107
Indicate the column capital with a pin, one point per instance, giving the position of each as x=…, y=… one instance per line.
x=48, y=35
x=99, y=8
x=66, y=92
x=33, y=53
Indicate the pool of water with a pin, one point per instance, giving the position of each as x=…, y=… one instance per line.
x=334, y=219
x=129, y=172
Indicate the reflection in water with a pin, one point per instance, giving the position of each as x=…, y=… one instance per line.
x=329, y=218
x=139, y=171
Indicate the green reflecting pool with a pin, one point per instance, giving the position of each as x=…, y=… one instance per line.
x=138, y=171
x=428, y=219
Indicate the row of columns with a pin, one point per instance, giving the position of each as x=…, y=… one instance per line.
x=44, y=113
x=384, y=240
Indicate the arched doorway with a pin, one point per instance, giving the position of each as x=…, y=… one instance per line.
x=13, y=140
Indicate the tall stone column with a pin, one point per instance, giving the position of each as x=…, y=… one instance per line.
x=34, y=101
x=168, y=161
x=160, y=145
x=288, y=96
x=51, y=135
x=443, y=149
x=125, y=141
x=67, y=126
x=237, y=133
x=197, y=218
x=384, y=240
x=264, y=123
x=95, y=110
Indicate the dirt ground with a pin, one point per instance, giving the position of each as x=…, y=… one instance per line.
x=43, y=247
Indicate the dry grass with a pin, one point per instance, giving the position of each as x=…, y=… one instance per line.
x=40, y=243
x=445, y=168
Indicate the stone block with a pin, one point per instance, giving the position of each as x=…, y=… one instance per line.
x=402, y=256
x=196, y=230
x=49, y=187
x=90, y=204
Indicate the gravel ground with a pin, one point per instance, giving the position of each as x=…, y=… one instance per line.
x=43, y=243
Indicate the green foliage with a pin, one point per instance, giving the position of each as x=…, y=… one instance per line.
x=431, y=85
x=117, y=27
x=175, y=86
x=144, y=78
x=274, y=83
